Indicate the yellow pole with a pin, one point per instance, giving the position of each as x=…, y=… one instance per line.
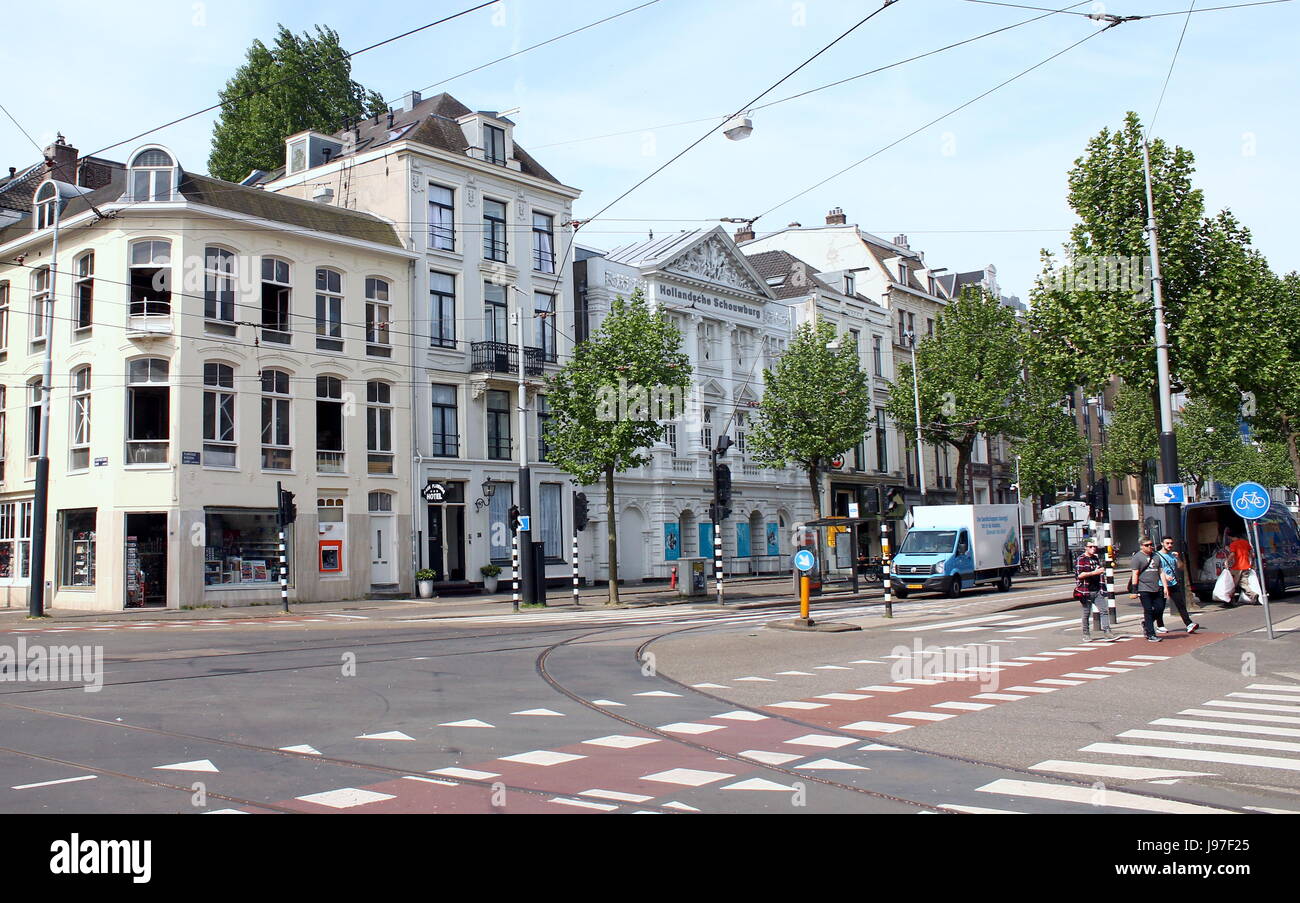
x=803, y=597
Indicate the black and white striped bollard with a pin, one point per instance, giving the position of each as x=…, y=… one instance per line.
x=514, y=571
x=576, y=601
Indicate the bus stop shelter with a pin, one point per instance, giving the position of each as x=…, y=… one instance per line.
x=836, y=545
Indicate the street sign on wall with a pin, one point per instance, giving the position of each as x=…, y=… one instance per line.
x=1170, y=494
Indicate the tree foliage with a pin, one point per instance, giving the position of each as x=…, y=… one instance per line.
x=1051, y=450
x=635, y=348
x=302, y=82
x=815, y=405
x=1211, y=449
x=970, y=379
x=1131, y=439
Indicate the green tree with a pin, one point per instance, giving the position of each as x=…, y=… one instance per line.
x=1131, y=440
x=605, y=402
x=302, y=82
x=970, y=380
x=1209, y=445
x=1050, y=452
x=1271, y=380
x=815, y=405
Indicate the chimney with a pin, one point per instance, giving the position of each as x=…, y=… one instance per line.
x=836, y=217
x=12, y=170
x=409, y=100
x=901, y=241
x=61, y=158
x=795, y=226
x=745, y=233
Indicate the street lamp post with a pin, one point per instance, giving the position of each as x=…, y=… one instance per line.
x=527, y=579
x=41, y=496
x=916, y=400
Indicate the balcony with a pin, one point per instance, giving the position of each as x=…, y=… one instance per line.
x=503, y=357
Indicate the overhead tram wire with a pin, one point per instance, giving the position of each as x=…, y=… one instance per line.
x=1104, y=17
x=936, y=120
x=349, y=55
x=1168, y=75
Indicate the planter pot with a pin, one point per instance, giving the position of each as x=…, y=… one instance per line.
x=490, y=583
x=424, y=588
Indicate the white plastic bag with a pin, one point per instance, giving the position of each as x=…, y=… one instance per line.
x=1250, y=586
x=1224, y=586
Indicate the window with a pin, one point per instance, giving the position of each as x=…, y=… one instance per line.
x=442, y=310
x=498, y=425
x=494, y=230
x=442, y=218
x=543, y=243
x=929, y=327
x=277, y=454
x=543, y=418
x=850, y=286
x=244, y=548
x=378, y=317
x=882, y=442
x=380, y=502
x=41, y=308
x=379, y=427
x=219, y=284
x=329, y=310
x=446, y=437
x=494, y=313
x=46, y=202
x=148, y=411
x=4, y=317
x=706, y=434
x=151, y=176
x=544, y=317
x=275, y=300
x=15, y=540
x=499, y=521
x=151, y=294
x=218, y=415
x=877, y=356
x=4, y=400
x=297, y=156
x=329, y=424
x=79, y=448
x=494, y=145
x=855, y=339
x=34, y=418
x=83, y=295
x=78, y=547
x=670, y=436
x=740, y=432
x=550, y=507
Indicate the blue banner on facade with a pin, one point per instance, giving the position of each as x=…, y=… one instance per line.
x=742, y=540
x=672, y=542
x=773, y=540
x=706, y=540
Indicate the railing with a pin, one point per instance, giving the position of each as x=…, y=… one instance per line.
x=503, y=357
x=684, y=465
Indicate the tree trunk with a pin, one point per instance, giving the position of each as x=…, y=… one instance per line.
x=1142, y=507
x=1291, y=448
x=815, y=486
x=964, y=472
x=612, y=526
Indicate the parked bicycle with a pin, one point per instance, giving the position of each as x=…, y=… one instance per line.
x=1029, y=563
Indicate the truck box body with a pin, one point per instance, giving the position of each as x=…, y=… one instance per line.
x=954, y=546
x=1205, y=545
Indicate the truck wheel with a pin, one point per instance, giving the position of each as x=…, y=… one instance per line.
x=1004, y=585
x=1277, y=586
x=954, y=586
x=900, y=592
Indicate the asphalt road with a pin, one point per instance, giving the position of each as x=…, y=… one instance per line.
x=391, y=710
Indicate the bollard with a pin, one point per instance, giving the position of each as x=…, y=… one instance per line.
x=804, y=584
x=885, y=568
x=1110, y=574
x=575, y=570
x=514, y=571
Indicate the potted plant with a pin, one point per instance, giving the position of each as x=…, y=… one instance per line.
x=424, y=583
x=490, y=573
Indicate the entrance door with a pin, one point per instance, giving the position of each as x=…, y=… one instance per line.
x=447, y=542
x=145, y=563
x=383, y=569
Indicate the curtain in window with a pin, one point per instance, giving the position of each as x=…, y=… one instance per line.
x=552, y=522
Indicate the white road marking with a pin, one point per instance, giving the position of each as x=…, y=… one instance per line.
x=423, y=780
x=304, y=748
x=1085, y=676
x=923, y=716
x=832, y=765
x=796, y=704
x=689, y=727
x=621, y=741
x=1107, y=670
x=769, y=758
x=543, y=757
x=1152, y=658
x=976, y=810
x=1276, y=697
x=468, y=722
x=618, y=795
x=1273, y=687
x=1048, y=626
x=607, y=703
x=797, y=673
x=1256, y=706
x=842, y=697
x=1087, y=795
x=687, y=777
x=385, y=735
x=963, y=706
x=831, y=668
x=946, y=624
x=84, y=777
x=709, y=686
x=682, y=806
x=546, y=712
x=657, y=693
x=875, y=727
x=878, y=747
x=1004, y=697
x=1060, y=683
x=1194, y=755
x=1033, y=658
x=741, y=715
x=1244, y=716
x=1228, y=726
x=753, y=679
x=1101, y=770
x=582, y=804
x=467, y=773
x=758, y=784
x=920, y=681
x=825, y=741
x=886, y=689
x=1214, y=740
x=197, y=765
x=345, y=798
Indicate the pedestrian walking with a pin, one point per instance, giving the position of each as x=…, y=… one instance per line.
x=1172, y=565
x=1088, y=571
x=1240, y=562
x=1149, y=581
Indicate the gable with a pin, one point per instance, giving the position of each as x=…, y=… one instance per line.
x=715, y=259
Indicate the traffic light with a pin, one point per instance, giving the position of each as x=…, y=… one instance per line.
x=580, y=511
x=718, y=517
x=1097, y=501
x=895, y=501
x=514, y=518
x=724, y=484
x=288, y=510
x=724, y=443
x=869, y=499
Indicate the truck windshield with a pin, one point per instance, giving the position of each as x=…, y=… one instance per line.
x=928, y=542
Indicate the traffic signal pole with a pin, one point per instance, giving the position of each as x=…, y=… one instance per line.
x=284, y=564
x=716, y=511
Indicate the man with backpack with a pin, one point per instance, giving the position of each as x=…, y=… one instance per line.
x=1172, y=565
x=1149, y=582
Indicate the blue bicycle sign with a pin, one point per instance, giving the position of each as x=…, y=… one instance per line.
x=1250, y=500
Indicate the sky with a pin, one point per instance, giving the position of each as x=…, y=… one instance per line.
x=985, y=185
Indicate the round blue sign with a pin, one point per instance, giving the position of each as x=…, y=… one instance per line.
x=804, y=560
x=1250, y=500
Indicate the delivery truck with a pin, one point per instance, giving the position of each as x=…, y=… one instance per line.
x=1204, y=531
x=954, y=547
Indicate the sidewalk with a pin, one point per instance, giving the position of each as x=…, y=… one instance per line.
x=740, y=593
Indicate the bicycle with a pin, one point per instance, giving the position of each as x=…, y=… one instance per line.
x=1029, y=563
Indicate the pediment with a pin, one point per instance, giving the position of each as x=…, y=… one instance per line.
x=715, y=259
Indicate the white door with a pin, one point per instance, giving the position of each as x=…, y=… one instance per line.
x=383, y=569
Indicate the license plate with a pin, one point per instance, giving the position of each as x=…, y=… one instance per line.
x=915, y=586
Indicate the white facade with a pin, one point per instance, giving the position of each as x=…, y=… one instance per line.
x=733, y=328
x=177, y=405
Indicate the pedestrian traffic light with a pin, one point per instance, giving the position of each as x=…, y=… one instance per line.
x=724, y=483
x=580, y=511
x=724, y=443
x=895, y=501
x=716, y=516
x=288, y=510
x=869, y=499
x=514, y=518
